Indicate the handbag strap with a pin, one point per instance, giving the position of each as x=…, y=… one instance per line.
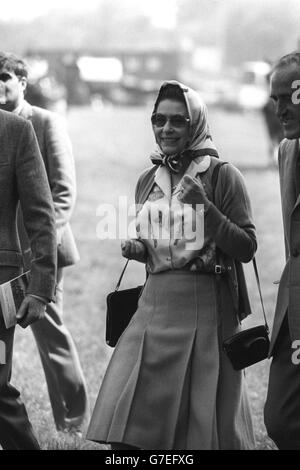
x=214, y=180
x=121, y=276
x=218, y=268
x=260, y=294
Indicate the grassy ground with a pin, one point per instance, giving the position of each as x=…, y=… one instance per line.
x=111, y=147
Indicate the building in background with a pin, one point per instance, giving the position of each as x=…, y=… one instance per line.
x=118, y=76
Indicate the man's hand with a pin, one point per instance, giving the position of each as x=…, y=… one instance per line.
x=133, y=249
x=192, y=192
x=31, y=310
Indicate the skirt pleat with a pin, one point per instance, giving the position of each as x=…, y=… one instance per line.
x=168, y=384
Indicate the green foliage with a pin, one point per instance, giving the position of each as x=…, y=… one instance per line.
x=114, y=24
x=262, y=30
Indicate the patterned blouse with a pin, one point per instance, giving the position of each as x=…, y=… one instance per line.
x=173, y=232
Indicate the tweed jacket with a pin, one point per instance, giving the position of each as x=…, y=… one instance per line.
x=288, y=298
x=56, y=150
x=229, y=222
x=23, y=178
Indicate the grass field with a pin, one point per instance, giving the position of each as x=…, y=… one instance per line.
x=111, y=147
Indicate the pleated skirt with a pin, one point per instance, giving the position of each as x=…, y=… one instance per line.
x=168, y=384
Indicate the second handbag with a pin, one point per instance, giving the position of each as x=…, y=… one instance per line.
x=121, y=306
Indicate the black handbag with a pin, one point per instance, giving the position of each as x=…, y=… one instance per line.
x=252, y=345
x=121, y=306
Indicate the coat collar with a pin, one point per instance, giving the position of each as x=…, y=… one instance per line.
x=26, y=110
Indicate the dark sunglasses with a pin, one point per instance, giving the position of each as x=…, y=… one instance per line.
x=176, y=120
x=5, y=76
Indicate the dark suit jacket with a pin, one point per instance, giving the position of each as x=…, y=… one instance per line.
x=23, y=178
x=289, y=287
x=56, y=150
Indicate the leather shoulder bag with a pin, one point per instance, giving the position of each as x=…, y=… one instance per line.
x=121, y=306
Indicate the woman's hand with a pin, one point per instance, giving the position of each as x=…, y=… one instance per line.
x=192, y=192
x=134, y=249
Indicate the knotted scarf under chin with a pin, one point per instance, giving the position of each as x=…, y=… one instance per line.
x=175, y=163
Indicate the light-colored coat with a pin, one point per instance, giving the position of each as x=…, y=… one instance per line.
x=289, y=287
x=64, y=376
x=56, y=150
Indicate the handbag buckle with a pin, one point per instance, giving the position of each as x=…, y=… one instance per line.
x=218, y=269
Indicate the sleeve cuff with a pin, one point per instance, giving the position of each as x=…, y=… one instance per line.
x=42, y=299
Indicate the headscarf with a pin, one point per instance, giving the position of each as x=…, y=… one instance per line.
x=200, y=142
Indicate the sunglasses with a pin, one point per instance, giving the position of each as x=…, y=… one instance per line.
x=5, y=76
x=176, y=120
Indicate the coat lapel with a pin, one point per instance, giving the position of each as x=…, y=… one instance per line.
x=289, y=198
x=290, y=203
x=296, y=174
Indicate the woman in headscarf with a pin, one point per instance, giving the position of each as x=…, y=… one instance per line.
x=169, y=384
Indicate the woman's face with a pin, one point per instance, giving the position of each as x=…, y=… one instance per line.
x=171, y=126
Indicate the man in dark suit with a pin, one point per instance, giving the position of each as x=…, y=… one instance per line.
x=64, y=376
x=282, y=410
x=23, y=179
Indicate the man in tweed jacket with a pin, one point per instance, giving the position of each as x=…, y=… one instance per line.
x=23, y=179
x=64, y=376
x=282, y=410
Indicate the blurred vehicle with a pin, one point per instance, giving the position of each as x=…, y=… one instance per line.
x=60, y=67
x=145, y=70
x=129, y=76
x=43, y=89
x=229, y=94
x=47, y=93
x=100, y=75
x=254, y=92
x=211, y=91
x=217, y=90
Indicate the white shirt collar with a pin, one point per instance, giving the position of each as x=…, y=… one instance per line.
x=19, y=108
x=162, y=175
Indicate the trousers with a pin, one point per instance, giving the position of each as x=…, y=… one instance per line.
x=16, y=432
x=282, y=408
x=60, y=361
